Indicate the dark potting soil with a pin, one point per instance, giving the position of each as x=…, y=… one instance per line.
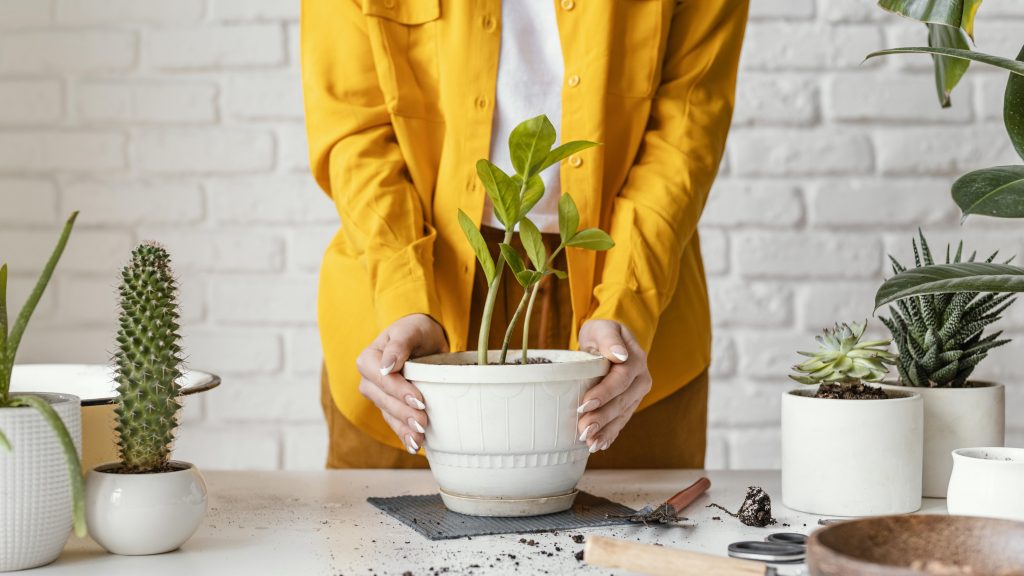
x=858, y=391
x=756, y=509
x=538, y=360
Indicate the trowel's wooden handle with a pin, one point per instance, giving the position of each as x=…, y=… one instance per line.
x=687, y=495
x=659, y=560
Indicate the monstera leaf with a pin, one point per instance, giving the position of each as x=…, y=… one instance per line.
x=943, y=278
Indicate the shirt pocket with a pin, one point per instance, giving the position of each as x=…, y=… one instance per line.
x=637, y=35
x=403, y=34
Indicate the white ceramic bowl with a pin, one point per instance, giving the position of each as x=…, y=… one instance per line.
x=987, y=482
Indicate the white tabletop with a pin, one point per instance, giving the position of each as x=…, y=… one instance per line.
x=297, y=523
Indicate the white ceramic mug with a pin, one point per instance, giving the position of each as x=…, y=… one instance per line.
x=987, y=482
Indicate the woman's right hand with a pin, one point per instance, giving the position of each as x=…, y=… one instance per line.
x=380, y=368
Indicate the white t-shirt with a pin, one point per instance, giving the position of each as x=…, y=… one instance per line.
x=530, y=76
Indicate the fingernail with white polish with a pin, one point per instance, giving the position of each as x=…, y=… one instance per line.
x=415, y=402
x=417, y=426
x=385, y=370
x=586, y=433
x=604, y=446
x=411, y=444
x=620, y=353
x=587, y=406
x=595, y=447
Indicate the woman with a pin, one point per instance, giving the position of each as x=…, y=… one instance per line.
x=403, y=96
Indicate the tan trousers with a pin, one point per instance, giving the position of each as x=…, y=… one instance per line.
x=668, y=434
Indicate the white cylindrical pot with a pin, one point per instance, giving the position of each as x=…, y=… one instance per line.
x=957, y=418
x=35, y=486
x=505, y=433
x=139, y=514
x=851, y=457
x=987, y=482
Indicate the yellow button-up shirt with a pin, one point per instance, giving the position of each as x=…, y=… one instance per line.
x=399, y=104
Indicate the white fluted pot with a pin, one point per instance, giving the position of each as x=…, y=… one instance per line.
x=140, y=514
x=35, y=487
x=505, y=433
x=957, y=418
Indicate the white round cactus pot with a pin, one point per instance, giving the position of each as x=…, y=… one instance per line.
x=139, y=514
x=35, y=487
x=502, y=439
x=852, y=457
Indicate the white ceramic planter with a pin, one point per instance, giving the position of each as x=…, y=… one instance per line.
x=957, y=418
x=35, y=488
x=851, y=457
x=987, y=482
x=138, y=514
x=502, y=439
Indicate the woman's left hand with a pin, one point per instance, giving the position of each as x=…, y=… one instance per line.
x=611, y=402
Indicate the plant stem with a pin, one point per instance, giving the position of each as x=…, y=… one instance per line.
x=492, y=295
x=511, y=325
x=526, y=319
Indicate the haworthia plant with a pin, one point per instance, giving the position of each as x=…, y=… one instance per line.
x=531, y=148
x=148, y=362
x=10, y=339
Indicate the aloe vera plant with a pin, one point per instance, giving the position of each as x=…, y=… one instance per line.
x=532, y=150
x=10, y=339
x=996, y=191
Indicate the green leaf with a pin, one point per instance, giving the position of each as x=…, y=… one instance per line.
x=564, y=151
x=1013, y=109
x=944, y=278
x=476, y=240
x=70, y=456
x=533, y=243
x=515, y=261
x=997, y=191
x=568, y=218
x=533, y=193
x=528, y=278
x=503, y=193
x=561, y=275
x=997, y=61
x=948, y=71
x=955, y=13
x=591, y=239
x=5, y=444
x=529, y=144
x=14, y=338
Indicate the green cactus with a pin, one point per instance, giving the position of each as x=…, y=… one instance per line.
x=148, y=361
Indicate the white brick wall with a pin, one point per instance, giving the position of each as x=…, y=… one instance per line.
x=182, y=121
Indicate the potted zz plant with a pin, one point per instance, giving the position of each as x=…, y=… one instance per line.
x=502, y=440
x=941, y=340
x=40, y=439
x=146, y=503
x=848, y=448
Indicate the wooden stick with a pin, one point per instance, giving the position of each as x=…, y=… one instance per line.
x=687, y=495
x=662, y=561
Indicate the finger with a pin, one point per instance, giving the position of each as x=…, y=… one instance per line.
x=396, y=386
x=607, y=339
x=406, y=416
x=396, y=352
x=610, y=432
x=409, y=437
x=603, y=416
x=612, y=385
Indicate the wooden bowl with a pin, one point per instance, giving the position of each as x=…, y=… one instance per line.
x=918, y=545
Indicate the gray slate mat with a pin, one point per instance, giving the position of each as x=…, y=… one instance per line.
x=427, y=515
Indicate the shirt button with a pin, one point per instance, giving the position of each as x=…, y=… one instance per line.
x=574, y=80
x=575, y=161
x=481, y=102
x=488, y=23
x=568, y=4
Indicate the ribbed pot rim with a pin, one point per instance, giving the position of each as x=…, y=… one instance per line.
x=54, y=398
x=461, y=368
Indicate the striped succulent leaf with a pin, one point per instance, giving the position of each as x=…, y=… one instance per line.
x=940, y=337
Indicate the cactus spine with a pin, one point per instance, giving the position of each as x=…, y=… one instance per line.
x=148, y=361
